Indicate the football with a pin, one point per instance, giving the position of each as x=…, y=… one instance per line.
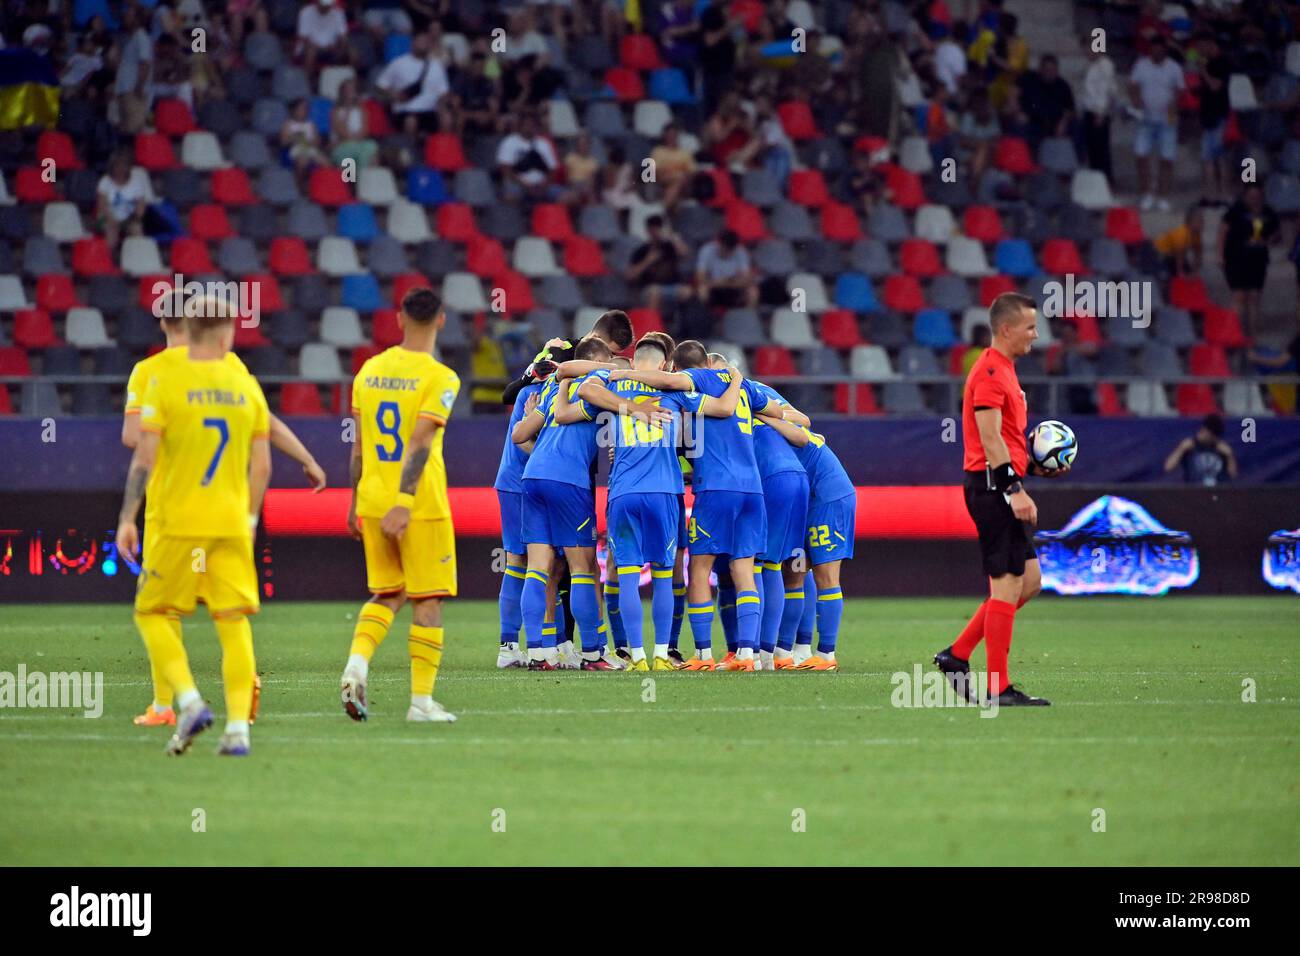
x=1053, y=446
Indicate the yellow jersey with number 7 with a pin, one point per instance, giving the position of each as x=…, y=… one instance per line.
x=390, y=394
x=207, y=413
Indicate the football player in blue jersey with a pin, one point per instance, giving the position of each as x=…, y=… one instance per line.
x=728, y=517
x=644, y=494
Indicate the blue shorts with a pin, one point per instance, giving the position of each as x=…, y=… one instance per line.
x=1212, y=147
x=559, y=514
x=785, y=497
x=512, y=517
x=1156, y=135
x=643, y=528
x=681, y=521
x=728, y=522
x=831, y=525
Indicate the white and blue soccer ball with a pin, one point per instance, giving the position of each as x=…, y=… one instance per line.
x=1053, y=446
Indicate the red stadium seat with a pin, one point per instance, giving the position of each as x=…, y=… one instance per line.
x=362, y=354
x=518, y=291
x=839, y=329
x=152, y=288
x=300, y=398
x=746, y=221
x=269, y=286
x=1060, y=256
x=903, y=294
x=807, y=187
x=774, y=360
x=1206, y=359
x=385, y=331
x=748, y=12
x=154, y=152
x=1089, y=330
x=724, y=190
x=443, y=152
x=797, y=119
x=1188, y=292
x=55, y=293
x=917, y=257
x=485, y=256
x=209, y=221
x=993, y=286
x=289, y=257
x=1108, y=402
x=34, y=329
x=13, y=361
x=405, y=283
x=1223, y=327
x=30, y=186
x=626, y=84
x=231, y=187
x=840, y=223
x=455, y=222
x=645, y=320
x=59, y=147
x=871, y=145
x=249, y=336
x=582, y=257
x=637, y=51
x=1195, y=400
x=551, y=221
x=327, y=188
x=905, y=188
x=191, y=255
x=982, y=223
x=1124, y=224
x=92, y=257
x=173, y=118
x=6, y=405
x=1012, y=155
x=377, y=123
x=863, y=399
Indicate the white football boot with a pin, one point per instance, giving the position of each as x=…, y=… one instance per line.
x=434, y=713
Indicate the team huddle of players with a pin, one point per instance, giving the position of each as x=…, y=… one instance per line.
x=770, y=501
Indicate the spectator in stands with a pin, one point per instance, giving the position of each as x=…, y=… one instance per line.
x=1151, y=27
x=1214, y=71
x=1047, y=100
x=1097, y=100
x=477, y=98
x=382, y=17
x=1008, y=58
x=529, y=82
x=873, y=63
x=656, y=266
x=1154, y=86
x=350, y=128
x=673, y=166
x=121, y=199
x=724, y=275
x=580, y=171
x=980, y=339
x=412, y=84
x=300, y=140
x=775, y=150
x=527, y=161
x=938, y=129
x=863, y=186
x=1070, y=354
x=84, y=68
x=134, y=72
x=525, y=40
x=950, y=55
x=728, y=133
x=1206, y=459
x=1180, y=247
x=678, y=32
x=1270, y=360
x=171, y=74
x=717, y=54
x=977, y=132
x=322, y=34
x=240, y=13
x=1249, y=227
x=618, y=181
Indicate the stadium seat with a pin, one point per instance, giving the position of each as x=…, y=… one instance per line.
x=637, y=51
x=515, y=291
x=387, y=257
x=950, y=292
x=85, y=329
x=604, y=119
x=870, y=362
x=871, y=257
x=288, y=256
x=625, y=85
x=356, y=221
x=551, y=221
x=887, y=224
x=1173, y=326
x=30, y=186
x=1108, y=401
x=934, y=223
x=914, y=155
x=1015, y=257
x=649, y=117
x=504, y=221
x=154, y=152
x=385, y=331
x=534, y=257
x=982, y=223
x=300, y=398
x=13, y=362
x=758, y=186
x=1090, y=189
x=268, y=288
x=408, y=223
x=61, y=221
x=188, y=256
x=426, y=186
x=562, y=121
x=860, y=399
x=1107, y=257
x=965, y=257
x=902, y=293
x=582, y=257
x=599, y=222
x=140, y=256
x=933, y=328
x=1124, y=223
x=41, y=255
x=377, y=186
x=797, y=119
x=990, y=287
x=1188, y=292
x=812, y=288
x=775, y=257
x=1208, y=359
x=277, y=186
x=972, y=317
x=485, y=257
x=838, y=329
x=917, y=257
x=1241, y=93
x=724, y=190
x=200, y=150
x=318, y=362
x=915, y=361
x=210, y=222
x=905, y=188
x=337, y=256
x=774, y=361
x=455, y=221
x=1061, y=256
x=854, y=291
x=1057, y=155
x=34, y=329
x=232, y=187
x=137, y=329
x=808, y=188
x=747, y=222
x=40, y=399
x=462, y=292
x=340, y=326
x=743, y=327
x=1195, y=400
x=1242, y=398
x=326, y=187
x=57, y=146
x=560, y=292
x=1011, y=154
x=839, y=222
x=238, y=257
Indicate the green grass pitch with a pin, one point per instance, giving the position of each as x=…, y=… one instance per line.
x=1148, y=725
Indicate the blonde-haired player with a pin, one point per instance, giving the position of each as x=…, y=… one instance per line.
x=159, y=712
x=401, y=400
x=203, y=430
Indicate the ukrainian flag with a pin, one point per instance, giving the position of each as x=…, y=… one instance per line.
x=29, y=90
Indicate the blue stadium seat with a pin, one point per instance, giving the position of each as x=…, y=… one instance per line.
x=361, y=292
x=357, y=222
x=933, y=327
x=854, y=291
x=1015, y=257
x=669, y=85
x=426, y=186
x=319, y=113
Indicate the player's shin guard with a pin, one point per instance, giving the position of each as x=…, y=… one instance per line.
x=791, y=614
x=532, y=604
x=586, y=612
x=679, y=613
x=238, y=666
x=661, y=607
x=999, y=619
x=701, y=618
x=373, y=623
x=809, y=619
x=629, y=594
x=749, y=607
x=425, y=646
x=830, y=608
x=614, y=609
x=166, y=652
x=773, y=606
x=512, y=588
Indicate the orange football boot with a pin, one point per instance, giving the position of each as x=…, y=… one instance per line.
x=257, y=699
x=783, y=664
x=816, y=663
x=699, y=664
x=733, y=663
x=154, y=718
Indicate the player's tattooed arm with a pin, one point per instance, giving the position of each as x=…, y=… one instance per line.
x=284, y=440
x=664, y=381
x=137, y=479
x=594, y=392
x=413, y=462
x=796, y=435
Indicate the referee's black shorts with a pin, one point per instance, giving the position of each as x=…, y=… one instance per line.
x=1005, y=541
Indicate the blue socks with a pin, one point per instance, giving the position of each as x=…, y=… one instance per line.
x=662, y=602
x=701, y=618
x=791, y=614
x=830, y=608
x=809, y=611
x=512, y=617
x=532, y=605
x=679, y=613
x=629, y=594
x=613, y=608
x=727, y=607
x=773, y=606
x=586, y=612
x=749, y=607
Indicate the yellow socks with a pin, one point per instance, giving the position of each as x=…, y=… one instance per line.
x=372, y=627
x=167, y=659
x=425, y=644
x=238, y=668
x=162, y=691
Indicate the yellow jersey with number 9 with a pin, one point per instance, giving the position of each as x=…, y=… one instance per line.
x=391, y=392
x=207, y=413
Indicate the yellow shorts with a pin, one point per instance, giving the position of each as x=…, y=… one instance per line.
x=178, y=571
x=422, y=562
x=151, y=542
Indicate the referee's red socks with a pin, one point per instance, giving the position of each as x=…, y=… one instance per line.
x=973, y=632
x=999, y=619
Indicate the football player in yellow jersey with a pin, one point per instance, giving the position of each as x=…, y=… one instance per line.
x=159, y=712
x=401, y=400
x=204, y=427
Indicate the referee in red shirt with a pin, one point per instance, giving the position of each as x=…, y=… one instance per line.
x=996, y=461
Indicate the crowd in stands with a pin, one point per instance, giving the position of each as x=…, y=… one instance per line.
x=830, y=190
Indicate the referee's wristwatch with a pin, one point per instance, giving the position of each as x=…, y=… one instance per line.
x=1014, y=489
